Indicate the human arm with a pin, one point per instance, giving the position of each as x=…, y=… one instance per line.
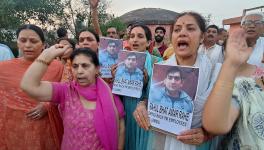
x=95, y=19
x=121, y=138
x=219, y=114
x=141, y=115
x=31, y=82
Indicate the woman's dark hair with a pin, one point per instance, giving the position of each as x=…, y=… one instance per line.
x=35, y=28
x=91, y=31
x=67, y=39
x=61, y=32
x=87, y=52
x=145, y=28
x=198, y=18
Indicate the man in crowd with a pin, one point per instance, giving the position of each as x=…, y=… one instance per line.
x=159, y=40
x=112, y=33
x=169, y=93
x=210, y=46
x=222, y=36
x=253, y=24
x=129, y=69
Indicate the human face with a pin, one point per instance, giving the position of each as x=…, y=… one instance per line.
x=131, y=62
x=84, y=70
x=69, y=51
x=253, y=25
x=159, y=36
x=138, y=40
x=112, y=33
x=186, y=37
x=112, y=49
x=173, y=82
x=211, y=35
x=88, y=40
x=30, y=44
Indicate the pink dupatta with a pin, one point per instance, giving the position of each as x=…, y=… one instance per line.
x=106, y=115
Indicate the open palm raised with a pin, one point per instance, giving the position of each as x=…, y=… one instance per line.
x=237, y=50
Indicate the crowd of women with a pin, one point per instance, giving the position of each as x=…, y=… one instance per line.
x=54, y=98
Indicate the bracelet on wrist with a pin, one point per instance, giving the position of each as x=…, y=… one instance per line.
x=42, y=61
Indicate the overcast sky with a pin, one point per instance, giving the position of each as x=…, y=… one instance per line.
x=219, y=9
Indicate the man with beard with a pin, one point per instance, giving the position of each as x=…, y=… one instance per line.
x=159, y=41
x=210, y=46
x=253, y=24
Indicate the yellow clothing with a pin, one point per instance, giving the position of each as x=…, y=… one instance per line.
x=168, y=52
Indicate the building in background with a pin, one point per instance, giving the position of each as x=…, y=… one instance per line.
x=152, y=17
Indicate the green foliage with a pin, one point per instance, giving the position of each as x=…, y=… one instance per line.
x=14, y=13
x=114, y=22
x=73, y=15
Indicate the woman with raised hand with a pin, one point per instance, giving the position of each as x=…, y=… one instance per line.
x=235, y=105
x=88, y=109
x=188, y=33
x=24, y=122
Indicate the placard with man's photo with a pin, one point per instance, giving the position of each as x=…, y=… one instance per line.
x=171, y=98
x=129, y=75
x=108, y=54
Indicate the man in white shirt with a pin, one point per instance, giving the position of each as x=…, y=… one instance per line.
x=210, y=46
x=5, y=53
x=253, y=24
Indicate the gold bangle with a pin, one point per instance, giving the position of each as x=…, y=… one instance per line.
x=42, y=61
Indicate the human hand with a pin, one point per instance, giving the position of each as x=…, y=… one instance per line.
x=37, y=113
x=94, y=3
x=192, y=136
x=237, y=50
x=141, y=115
x=113, y=70
x=67, y=53
x=57, y=50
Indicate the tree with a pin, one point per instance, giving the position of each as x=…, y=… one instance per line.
x=113, y=22
x=50, y=15
x=77, y=14
x=13, y=13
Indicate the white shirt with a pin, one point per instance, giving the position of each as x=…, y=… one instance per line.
x=214, y=53
x=257, y=54
x=5, y=53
